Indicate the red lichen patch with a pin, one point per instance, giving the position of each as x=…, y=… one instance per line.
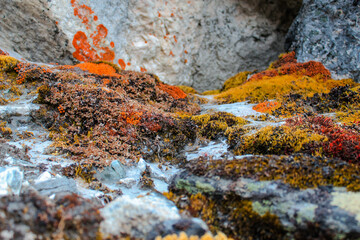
x=266, y=107
x=173, y=91
x=122, y=64
x=100, y=69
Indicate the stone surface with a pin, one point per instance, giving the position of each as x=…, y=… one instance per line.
x=112, y=174
x=328, y=31
x=135, y=216
x=196, y=43
x=56, y=186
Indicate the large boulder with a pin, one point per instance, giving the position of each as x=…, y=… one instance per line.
x=328, y=31
x=197, y=43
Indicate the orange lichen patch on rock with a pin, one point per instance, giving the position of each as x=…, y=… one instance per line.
x=100, y=69
x=186, y=52
x=143, y=69
x=175, y=39
x=173, y=91
x=112, y=44
x=266, y=107
x=171, y=53
x=122, y=64
x=185, y=61
x=84, y=49
x=129, y=63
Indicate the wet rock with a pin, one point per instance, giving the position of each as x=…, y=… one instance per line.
x=136, y=217
x=191, y=226
x=327, y=31
x=56, y=186
x=10, y=180
x=112, y=174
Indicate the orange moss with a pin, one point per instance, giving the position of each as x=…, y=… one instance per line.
x=100, y=69
x=266, y=107
x=173, y=91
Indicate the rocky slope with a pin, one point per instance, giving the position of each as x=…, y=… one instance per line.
x=196, y=43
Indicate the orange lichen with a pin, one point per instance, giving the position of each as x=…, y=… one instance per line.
x=112, y=44
x=100, y=69
x=143, y=69
x=266, y=107
x=186, y=52
x=173, y=91
x=84, y=49
x=61, y=109
x=185, y=61
x=129, y=63
x=171, y=53
x=175, y=39
x=122, y=64
x=172, y=15
x=159, y=14
x=3, y=53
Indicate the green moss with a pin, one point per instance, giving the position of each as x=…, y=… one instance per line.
x=204, y=188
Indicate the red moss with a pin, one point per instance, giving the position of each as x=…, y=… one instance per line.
x=173, y=91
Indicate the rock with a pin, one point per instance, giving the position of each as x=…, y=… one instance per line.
x=10, y=180
x=195, y=43
x=191, y=226
x=112, y=174
x=56, y=186
x=328, y=31
x=136, y=216
x=215, y=193
x=32, y=216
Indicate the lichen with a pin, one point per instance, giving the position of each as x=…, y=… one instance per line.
x=183, y=236
x=235, y=81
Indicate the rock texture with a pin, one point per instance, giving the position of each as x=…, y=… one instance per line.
x=328, y=31
x=197, y=43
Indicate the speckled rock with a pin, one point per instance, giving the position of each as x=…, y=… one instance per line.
x=197, y=43
x=328, y=31
x=324, y=212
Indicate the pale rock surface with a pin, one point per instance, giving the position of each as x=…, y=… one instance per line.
x=196, y=43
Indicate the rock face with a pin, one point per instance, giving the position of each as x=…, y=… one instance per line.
x=196, y=43
x=328, y=31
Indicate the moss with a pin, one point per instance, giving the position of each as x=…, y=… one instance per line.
x=15, y=90
x=235, y=81
x=299, y=171
x=187, y=89
x=215, y=125
x=211, y=92
x=5, y=132
x=83, y=171
x=7, y=63
x=280, y=140
x=230, y=214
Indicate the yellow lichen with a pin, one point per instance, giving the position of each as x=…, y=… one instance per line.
x=7, y=63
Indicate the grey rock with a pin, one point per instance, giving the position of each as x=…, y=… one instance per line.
x=200, y=44
x=191, y=226
x=334, y=211
x=10, y=180
x=328, y=31
x=112, y=174
x=136, y=216
x=55, y=186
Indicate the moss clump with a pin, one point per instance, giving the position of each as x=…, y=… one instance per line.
x=211, y=92
x=7, y=63
x=229, y=214
x=187, y=89
x=5, y=132
x=83, y=171
x=281, y=140
x=235, y=81
x=215, y=125
x=183, y=236
x=299, y=171
x=15, y=90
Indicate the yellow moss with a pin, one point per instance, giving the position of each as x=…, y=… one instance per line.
x=5, y=131
x=15, y=90
x=7, y=63
x=348, y=117
x=211, y=92
x=235, y=81
x=276, y=140
x=276, y=87
x=187, y=89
